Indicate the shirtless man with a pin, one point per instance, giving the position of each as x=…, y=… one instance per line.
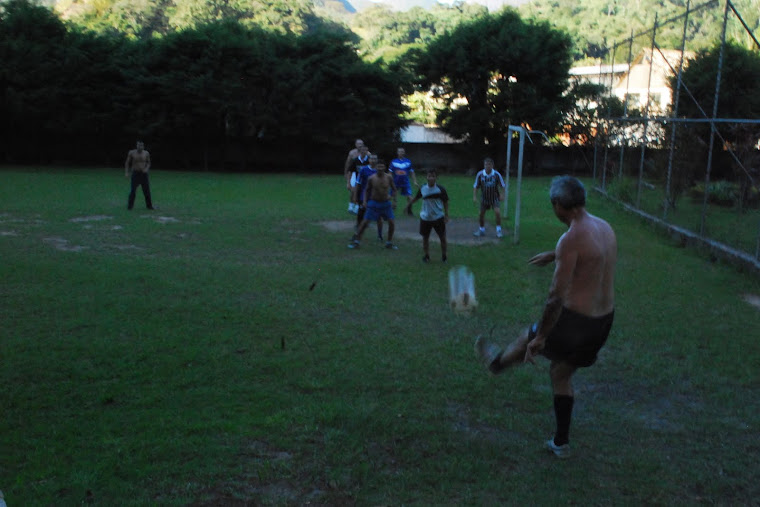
x=579, y=310
x=348, y=171
x=138, y=165
x=377, y=202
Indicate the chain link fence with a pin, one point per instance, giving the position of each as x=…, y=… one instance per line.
x=670, y=157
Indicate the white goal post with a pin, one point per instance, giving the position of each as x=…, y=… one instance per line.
x=524, y=133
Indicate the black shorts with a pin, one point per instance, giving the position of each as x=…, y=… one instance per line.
x=576, y=338
x=486, y=205
x=439, y=226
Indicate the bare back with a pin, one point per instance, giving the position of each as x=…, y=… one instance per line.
x=591, y=244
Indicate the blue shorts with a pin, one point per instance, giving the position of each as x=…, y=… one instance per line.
x=405, y=190
x=379, y=209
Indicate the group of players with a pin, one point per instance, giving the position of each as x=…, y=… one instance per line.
x=579, y=311
x=374, y=189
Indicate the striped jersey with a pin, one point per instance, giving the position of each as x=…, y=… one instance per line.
x=489, y=184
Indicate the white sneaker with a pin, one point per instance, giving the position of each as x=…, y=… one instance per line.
x=561, y=451
x=499, y=234
x=488, y=353
x=479, y=233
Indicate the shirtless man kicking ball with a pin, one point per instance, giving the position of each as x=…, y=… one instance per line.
x=579, y=310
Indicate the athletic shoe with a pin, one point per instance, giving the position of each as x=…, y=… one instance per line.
x=426, y=259
x=499, y=234
x=354, y=244
x=390, y=246
x=479, y=233
x=561, y=451
x=444, y=259
x=488, y=353
x=353, y=209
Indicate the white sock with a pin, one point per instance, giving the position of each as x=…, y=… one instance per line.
x=482, y=229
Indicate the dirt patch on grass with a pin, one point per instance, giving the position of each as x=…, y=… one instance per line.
x=92, y=218
x=458, y=230
x=63, y=245
x=162, y=219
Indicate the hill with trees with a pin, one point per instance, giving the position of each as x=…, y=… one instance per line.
x=384, y=31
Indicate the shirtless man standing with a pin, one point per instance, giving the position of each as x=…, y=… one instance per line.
x=138, y=165
x=579, y=310
x=377, y=202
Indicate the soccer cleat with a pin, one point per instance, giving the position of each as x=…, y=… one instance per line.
x=444, y=259
x=390, y=246
x=426, y=259
x=488, y=353
x=354, y=244
x=561, y=451
x=479, y=233
x=499, y=234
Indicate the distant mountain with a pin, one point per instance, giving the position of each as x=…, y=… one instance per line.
x=405, y=5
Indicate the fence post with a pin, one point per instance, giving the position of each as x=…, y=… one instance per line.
x=712, y=123
x=676, y=100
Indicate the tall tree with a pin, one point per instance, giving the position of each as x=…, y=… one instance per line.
x=496, y=71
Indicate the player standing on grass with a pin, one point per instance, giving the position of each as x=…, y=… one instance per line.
x=491, y=185
x=434, y=214
x=378, y=194
x=138, y=165
x=364, y=173
x=349, y=170
x=579, y=310
x=401, y=167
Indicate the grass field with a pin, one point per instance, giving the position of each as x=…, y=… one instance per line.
x=178, y=357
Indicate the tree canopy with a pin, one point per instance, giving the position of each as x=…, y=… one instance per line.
x=496, y=71
x=211, y=85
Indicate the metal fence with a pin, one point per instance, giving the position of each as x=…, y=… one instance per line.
x=697, y=174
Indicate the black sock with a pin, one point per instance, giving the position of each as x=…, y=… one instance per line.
x=563, y=411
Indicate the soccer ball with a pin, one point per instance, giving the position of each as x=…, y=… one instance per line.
x=462, y=290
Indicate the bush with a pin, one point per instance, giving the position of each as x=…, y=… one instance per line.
x=722, y=193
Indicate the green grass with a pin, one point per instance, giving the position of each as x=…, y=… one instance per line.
x=739, y=229
x=186, y=361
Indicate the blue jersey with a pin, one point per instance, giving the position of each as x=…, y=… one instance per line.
x=362, y=178
x=401, y=169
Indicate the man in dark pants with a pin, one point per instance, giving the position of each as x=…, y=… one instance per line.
x=138, y=165
x=579, y=310
x=434, y=214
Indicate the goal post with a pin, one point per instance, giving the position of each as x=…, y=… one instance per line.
x=523, y=133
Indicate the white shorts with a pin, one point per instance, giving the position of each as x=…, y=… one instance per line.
x=353, y=179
